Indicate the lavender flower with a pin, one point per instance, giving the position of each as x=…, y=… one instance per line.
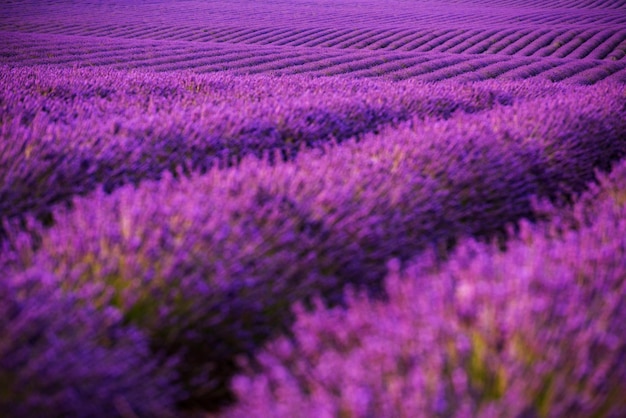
x=61, y=357
x=537, y=330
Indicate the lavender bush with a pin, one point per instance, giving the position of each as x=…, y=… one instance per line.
x=537, y=330
x=60, y=356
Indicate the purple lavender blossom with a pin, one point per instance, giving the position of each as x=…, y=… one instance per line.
x=537, y=330
x=60, y=356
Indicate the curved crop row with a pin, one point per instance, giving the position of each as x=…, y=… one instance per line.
x=171, y=56
x=208, y=266
x=591, y=76
x=595, y=43
x=65, y=131
x=557, y=4
x=191, y=19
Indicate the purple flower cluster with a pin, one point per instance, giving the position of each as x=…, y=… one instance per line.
x=537, y=330
x=208, y=265
x=62, y=356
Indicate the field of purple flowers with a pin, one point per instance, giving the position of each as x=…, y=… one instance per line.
x=313, y=208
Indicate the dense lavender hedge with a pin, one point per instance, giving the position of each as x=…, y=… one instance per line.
x=536, y=331
x=66, y=131
x=62, y=356
x=208, y=266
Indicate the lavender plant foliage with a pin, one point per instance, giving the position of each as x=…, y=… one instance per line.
x=538, y=330
x=65, y=132
x=208, y=266
x=59, y=356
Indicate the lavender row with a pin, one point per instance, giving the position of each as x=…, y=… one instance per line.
x=37, y=49
x=67, y=131
x=199, y=20
x=208, y=266
x=538, y=330
x=567, y=4
x=590, y=43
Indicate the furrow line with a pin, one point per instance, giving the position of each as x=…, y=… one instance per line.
x=327, y=35
x=503, y=43
x=427, y=67
x=288, y=65
x=590, y=44
x=559, y=41
x=424, y=40
x=465, y=36
x=439, y=41
x=411, y=37
x=355, y=40
x=388, y=68
x=479, y=43
x=164, y=59
x=567, y=70
x=573, y=44
x=305, y=34
x=452, y=71
x=608, y=46
x=224, y=61
x=154, y=34
x=521, y=43
x=187, y=36
x=243, y=34
x=604, y=71
x=139, y=31
x=293, y=33
x=539, y=43
x=206, y=35
x=388, y=41
x=226, y=35
x=367, y=43
x=357, y=64
x=333, y=37
x=259, y=38
x=531, y=70
x=493, y=70
x=324, y=64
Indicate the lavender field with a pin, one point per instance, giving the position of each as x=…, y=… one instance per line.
x=365, y=208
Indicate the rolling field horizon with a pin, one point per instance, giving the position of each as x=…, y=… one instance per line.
x=312, y=208
x=581, y=42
